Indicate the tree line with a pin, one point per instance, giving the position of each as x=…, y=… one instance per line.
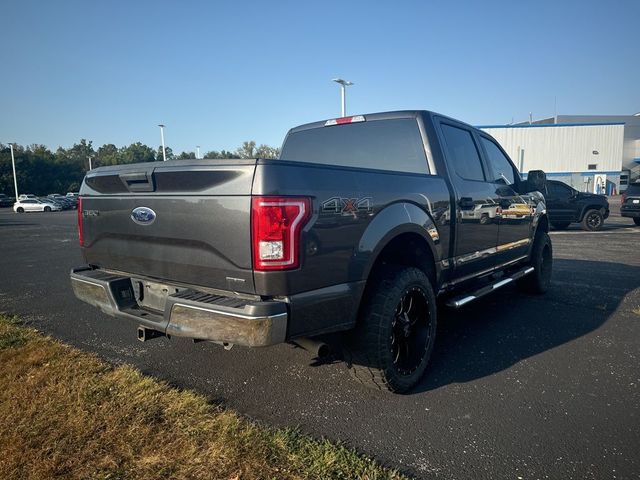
x=41, y=171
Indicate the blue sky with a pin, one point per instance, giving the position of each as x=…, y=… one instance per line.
x=218, y=73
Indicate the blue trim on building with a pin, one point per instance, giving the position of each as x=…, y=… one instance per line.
x=568, y=174
x=550, y=125
x=554, y=175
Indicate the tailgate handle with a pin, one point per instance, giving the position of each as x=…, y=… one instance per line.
x=137, y=181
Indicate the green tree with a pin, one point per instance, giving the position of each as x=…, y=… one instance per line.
x=186, y=156
x=223, y=154
x=137, y=153
x=168, y=152
x=247, y=150
x=265, y=151
x=107, y=154
x=78, y=154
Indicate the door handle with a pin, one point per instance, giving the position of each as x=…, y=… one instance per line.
x=138, y=181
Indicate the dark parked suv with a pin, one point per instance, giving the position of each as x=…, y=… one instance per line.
x=630, y=205
x=566, y=205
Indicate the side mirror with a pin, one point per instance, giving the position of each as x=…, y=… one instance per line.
x=537, y=180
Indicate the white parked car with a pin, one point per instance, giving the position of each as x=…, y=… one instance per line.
x=35, y=205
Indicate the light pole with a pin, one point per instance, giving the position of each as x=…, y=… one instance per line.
x=164, y=155
x=197, y=151
x=343, y=87
x=13, y=164
x=89, y=162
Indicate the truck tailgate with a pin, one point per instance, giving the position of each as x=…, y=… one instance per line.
x=192, y=223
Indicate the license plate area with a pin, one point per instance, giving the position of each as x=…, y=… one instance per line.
x=152, y=295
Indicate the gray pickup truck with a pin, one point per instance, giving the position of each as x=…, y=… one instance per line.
x=362, y=226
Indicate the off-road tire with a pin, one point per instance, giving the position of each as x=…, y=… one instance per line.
x=561, y=225
x=539, y=280
x=369, y=348
x=592, y=221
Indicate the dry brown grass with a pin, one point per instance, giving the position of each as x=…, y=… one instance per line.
x=65, y=413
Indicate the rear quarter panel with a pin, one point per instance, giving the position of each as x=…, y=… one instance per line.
x=339, y=243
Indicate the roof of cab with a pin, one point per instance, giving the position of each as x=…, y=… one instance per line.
x=378, y=116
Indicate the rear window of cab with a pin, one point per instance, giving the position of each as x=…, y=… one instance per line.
x=393, y=144
x=633, y=189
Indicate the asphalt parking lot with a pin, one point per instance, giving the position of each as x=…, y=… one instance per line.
x=519, y=386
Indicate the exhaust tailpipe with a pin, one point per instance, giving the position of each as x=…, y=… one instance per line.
x=145, y=334
x=319, y=349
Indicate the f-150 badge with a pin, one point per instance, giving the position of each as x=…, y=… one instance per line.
x=347, y=206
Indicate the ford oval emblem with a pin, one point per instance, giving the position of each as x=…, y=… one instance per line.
x=143, y=216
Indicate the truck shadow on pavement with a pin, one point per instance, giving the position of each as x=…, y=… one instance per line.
x=508, y=327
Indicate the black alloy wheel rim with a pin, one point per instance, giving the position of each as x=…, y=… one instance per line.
x=594, y=220
x=410, y=331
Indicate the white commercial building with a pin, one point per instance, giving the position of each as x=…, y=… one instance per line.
x=591, y=153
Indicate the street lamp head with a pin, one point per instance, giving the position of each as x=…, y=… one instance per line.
x=344, y=83
x=161, y=125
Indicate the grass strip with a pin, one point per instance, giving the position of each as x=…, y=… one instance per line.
x=66, y=413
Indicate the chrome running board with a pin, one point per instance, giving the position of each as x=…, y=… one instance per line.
x=459, y=301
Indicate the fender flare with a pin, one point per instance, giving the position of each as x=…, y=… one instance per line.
x=588, y=207
x=394, y=220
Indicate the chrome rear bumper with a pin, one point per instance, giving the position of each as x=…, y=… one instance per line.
x=187, y=313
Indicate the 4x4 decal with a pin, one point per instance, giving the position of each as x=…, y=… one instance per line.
x=347, y=206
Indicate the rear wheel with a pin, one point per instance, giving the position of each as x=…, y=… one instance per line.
x=393, y=340
x=20, y=210
x=539, y=280
x=637, y=221
x=593, y=221
x=560, y=225
x=47, y=209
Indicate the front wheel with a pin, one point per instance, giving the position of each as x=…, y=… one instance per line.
x=637, y=221
x=393, y=340
x=539, y=280
x=47, y=209
x=593, y=221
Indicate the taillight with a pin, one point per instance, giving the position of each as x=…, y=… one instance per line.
x=276, y=223
x=80, y=233
x=344, y=120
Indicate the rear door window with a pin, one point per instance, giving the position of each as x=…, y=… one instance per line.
x=463, y=153
x=558, y=190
